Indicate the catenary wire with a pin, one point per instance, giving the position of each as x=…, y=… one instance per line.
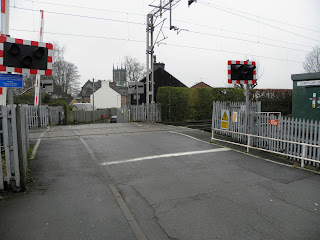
x=168, y=44
x=190, y=31
x=267, y=24
x=268, y=19
x=260, y=37
x=107, y=10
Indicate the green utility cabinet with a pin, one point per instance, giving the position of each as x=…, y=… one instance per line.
x=306, y=96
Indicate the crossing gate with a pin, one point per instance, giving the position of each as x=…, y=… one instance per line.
x=42, y=116
x=146, y=112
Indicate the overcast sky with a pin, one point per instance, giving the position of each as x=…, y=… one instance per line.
x=98, y=34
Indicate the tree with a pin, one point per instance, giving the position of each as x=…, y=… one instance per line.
x=65, y=74
x=312, y=62
x=135, y=70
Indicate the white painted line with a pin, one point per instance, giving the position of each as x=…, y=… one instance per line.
x=166, y=156
x=34, y=151
x=137, y=124
x=190, y=137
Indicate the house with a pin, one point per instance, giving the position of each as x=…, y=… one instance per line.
x=306, y=96
x=108, y=96
x=201, y=85
x=161, y=79
x=83, y=106
x=87, y=90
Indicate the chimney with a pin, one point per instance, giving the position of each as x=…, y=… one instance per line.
x=158, y=65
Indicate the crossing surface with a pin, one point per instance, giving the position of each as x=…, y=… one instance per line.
x=150, y=181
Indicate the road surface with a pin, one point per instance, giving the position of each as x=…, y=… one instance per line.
x=149, y=181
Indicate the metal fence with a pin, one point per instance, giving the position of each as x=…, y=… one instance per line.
x=14, y=141
x=295, y=138
x=146, y=113
x=42, y=116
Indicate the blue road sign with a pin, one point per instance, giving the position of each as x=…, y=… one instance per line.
x=11, y=80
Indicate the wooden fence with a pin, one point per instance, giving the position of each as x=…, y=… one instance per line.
x=82, y=116
x=271, y=125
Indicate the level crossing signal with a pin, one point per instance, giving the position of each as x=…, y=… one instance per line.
x=242, y=72
x=23, y=56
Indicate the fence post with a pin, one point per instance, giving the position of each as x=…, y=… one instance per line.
x=22, y=145
x=248, y=144
x=303, y=154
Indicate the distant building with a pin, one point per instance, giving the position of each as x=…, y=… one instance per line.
x=87, y=90
x=120, y=76
x=161, y=79
x=108, y=96
x=201, y=85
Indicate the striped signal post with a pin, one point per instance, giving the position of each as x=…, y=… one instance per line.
x=37, y=96
x=5, y=31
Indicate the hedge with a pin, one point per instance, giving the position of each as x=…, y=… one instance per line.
x=181, y=104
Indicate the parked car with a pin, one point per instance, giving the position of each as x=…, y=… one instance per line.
x=113, y=119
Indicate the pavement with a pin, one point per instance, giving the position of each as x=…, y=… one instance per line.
x=150, y=181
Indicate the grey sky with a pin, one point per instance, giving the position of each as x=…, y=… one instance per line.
x=216, y=31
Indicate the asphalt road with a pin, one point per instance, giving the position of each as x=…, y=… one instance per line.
x=174, y=186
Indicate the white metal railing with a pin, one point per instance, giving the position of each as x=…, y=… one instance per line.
x=303, y=158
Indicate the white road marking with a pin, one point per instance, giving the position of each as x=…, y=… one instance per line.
x=190, y=136
x=34, y=151
x=166, y=156
x=138, y=124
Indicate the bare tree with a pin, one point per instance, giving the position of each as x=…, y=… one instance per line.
x=312, y=62
x=135, y=70
x=65, y=74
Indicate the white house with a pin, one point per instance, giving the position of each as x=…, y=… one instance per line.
x=106, y=97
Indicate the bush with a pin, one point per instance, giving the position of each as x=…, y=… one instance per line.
x=180, y=104
x=273, y=100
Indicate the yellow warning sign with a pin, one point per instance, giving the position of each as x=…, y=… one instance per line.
x=225, y=125
x=225, y=117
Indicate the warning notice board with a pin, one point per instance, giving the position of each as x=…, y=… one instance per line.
x=225, y=119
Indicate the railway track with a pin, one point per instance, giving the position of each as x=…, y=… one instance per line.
x=204, y=125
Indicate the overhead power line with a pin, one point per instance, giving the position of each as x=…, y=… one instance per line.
x=87, y=8
x=246, y=34
x=139, y=14
x=82, y=16
x=189, y=31
x=246, y=40
x=143, y=41
x=260, y=17
x=252, y=19
x=195, y=32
